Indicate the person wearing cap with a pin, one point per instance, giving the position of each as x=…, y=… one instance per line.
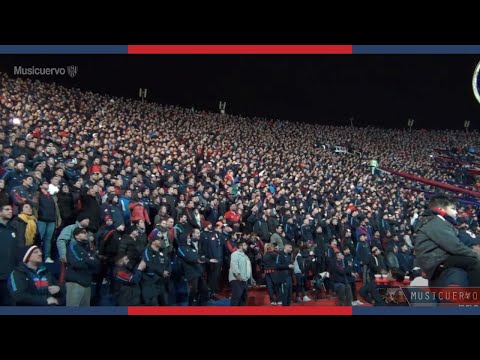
x=31, y=284
x=113, y=208
x=66, y=235
x=8, y=246
x=82, y=264
x=156, y=275
x=107, y=243
x=70, y=173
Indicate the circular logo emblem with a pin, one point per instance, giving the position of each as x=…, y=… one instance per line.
x=476, y=82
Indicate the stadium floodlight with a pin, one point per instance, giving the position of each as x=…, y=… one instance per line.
x=222, y=106
x=142, y=93
x=410, y=123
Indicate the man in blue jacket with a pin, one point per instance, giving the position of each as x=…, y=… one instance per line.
x=82, y=263
x=31, y=284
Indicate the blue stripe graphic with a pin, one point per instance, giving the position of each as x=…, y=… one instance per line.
x=63, y=49
x=61, y=310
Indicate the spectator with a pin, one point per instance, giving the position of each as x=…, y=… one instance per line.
x=437, y=246
x=339, y=275
x=8, y=248
x=47, y=217
x=31, y=284
x=82, y=264
x=127, y=282
x=283, y=274
x=156, y=274
x=240, y=274
x=191, y=263
x=25, y=225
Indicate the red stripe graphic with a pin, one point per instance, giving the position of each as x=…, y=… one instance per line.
x=244, y=310
x=240, y=49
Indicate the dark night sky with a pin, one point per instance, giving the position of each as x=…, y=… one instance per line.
x=380, y=90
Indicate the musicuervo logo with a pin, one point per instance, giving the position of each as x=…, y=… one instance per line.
x=70, y=70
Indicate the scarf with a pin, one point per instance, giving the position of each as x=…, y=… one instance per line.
x=31, y=230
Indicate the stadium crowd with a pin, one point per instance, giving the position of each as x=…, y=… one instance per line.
x=132, y=199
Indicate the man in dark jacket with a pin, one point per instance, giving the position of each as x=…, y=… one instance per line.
x=214, y=249
x=82, y=264
x=437, y=246
x=157, y=272
x=132, y=246
x=191, y=263
x=283, y=274
x=8, y=248
x=340, y=273
x=31, y=284
x=47, y=216
x=127, y=282
x=91, y=206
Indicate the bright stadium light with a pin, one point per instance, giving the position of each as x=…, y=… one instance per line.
x=16, y=121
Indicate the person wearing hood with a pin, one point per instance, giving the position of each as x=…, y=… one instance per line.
x=192, y=262
x=31, y=284
x=437, y=246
